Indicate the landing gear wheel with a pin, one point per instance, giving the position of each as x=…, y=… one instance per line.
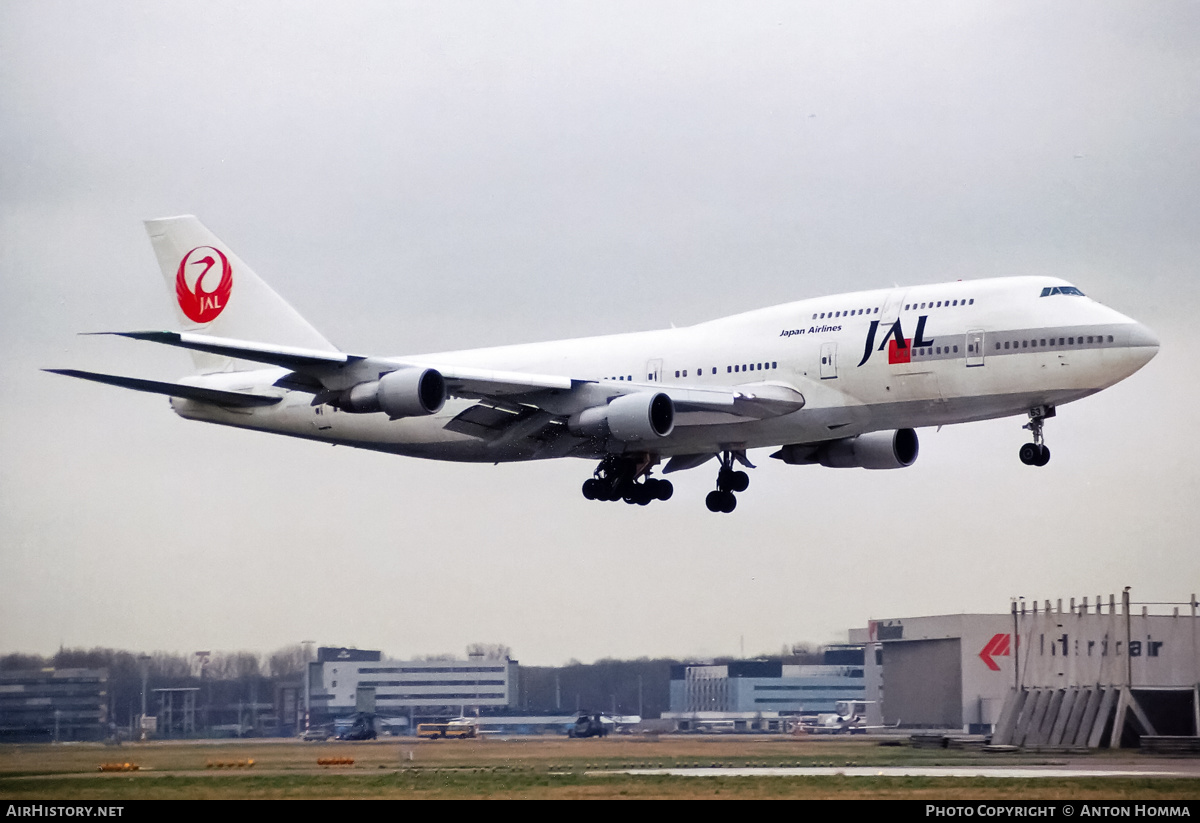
x=627, y=477
x=729, y=480
x=1029, y=454
x=665, y=490
x=719, y=501
x=1037, y=453
x=659, y=489
x=1032, y=454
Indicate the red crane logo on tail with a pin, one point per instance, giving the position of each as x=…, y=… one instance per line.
x=198, y=265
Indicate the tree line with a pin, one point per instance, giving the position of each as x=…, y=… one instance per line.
x=625, y=687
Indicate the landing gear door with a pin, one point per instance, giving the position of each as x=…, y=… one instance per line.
x=975, y=347
x=653, y=371
x=828, y=360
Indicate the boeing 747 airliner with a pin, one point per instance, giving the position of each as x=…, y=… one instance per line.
x=840, y=381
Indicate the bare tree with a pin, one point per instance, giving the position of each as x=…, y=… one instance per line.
x=489, y=651
x=288, y=662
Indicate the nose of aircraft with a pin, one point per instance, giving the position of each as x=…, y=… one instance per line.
x=1143, y=342
x=1141, y=336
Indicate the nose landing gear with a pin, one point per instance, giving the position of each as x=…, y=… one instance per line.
x=1036, y=453
x=616, y=478
x=729, y=480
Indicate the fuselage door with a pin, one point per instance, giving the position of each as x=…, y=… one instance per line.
x=323, y=417
x=975, y=347
x=653, y=371
x=891, y=308
x=828, y=360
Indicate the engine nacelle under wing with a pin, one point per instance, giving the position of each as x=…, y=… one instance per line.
x=628, y=418
x=402, y=393
x=874, y=450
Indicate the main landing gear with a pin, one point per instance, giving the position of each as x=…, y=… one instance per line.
x=1036, y=453
x=729, y=480
x=616, y=478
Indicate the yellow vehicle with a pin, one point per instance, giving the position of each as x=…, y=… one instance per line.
x=457, y=729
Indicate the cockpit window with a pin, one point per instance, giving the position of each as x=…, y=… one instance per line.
x=1049, y=290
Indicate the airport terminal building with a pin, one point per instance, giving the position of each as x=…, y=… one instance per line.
x=54, y=704
x=755, y=695
x=343, y=681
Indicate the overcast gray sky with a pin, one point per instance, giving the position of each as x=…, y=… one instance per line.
x=426, y=176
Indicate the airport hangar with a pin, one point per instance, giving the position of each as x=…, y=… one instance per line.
x=1084, y=675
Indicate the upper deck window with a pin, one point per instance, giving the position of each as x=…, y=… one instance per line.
x=1049, y=290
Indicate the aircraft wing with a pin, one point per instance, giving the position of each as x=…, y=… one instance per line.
x=337, y=370
x=558, y=395
x=235, y=399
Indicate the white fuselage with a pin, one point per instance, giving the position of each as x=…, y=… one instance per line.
x=985, y=349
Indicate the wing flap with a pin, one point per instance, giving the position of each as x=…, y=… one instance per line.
x=482, y=421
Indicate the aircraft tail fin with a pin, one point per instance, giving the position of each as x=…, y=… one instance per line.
x=216, y=293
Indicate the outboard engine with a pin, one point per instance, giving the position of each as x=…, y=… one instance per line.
x=402, y=393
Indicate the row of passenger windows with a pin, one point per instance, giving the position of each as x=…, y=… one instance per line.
x=1043, y=342
x=764, y=366
x=1062, y=341
x=1037, y=342
x=940, y=304
x=734, y=369
x=829, y=315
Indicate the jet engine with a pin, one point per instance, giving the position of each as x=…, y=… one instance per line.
x=875, y=450
x=402, y=393
x=630, y=417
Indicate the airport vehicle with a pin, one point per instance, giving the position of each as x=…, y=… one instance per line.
x=590, y=725
x=840, y=381
x=362, y=727
x=316, y=734
x=456, y=729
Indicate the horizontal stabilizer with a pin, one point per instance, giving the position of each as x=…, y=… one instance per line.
x=220, y=398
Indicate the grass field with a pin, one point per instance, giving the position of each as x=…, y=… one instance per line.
x=548, y=768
